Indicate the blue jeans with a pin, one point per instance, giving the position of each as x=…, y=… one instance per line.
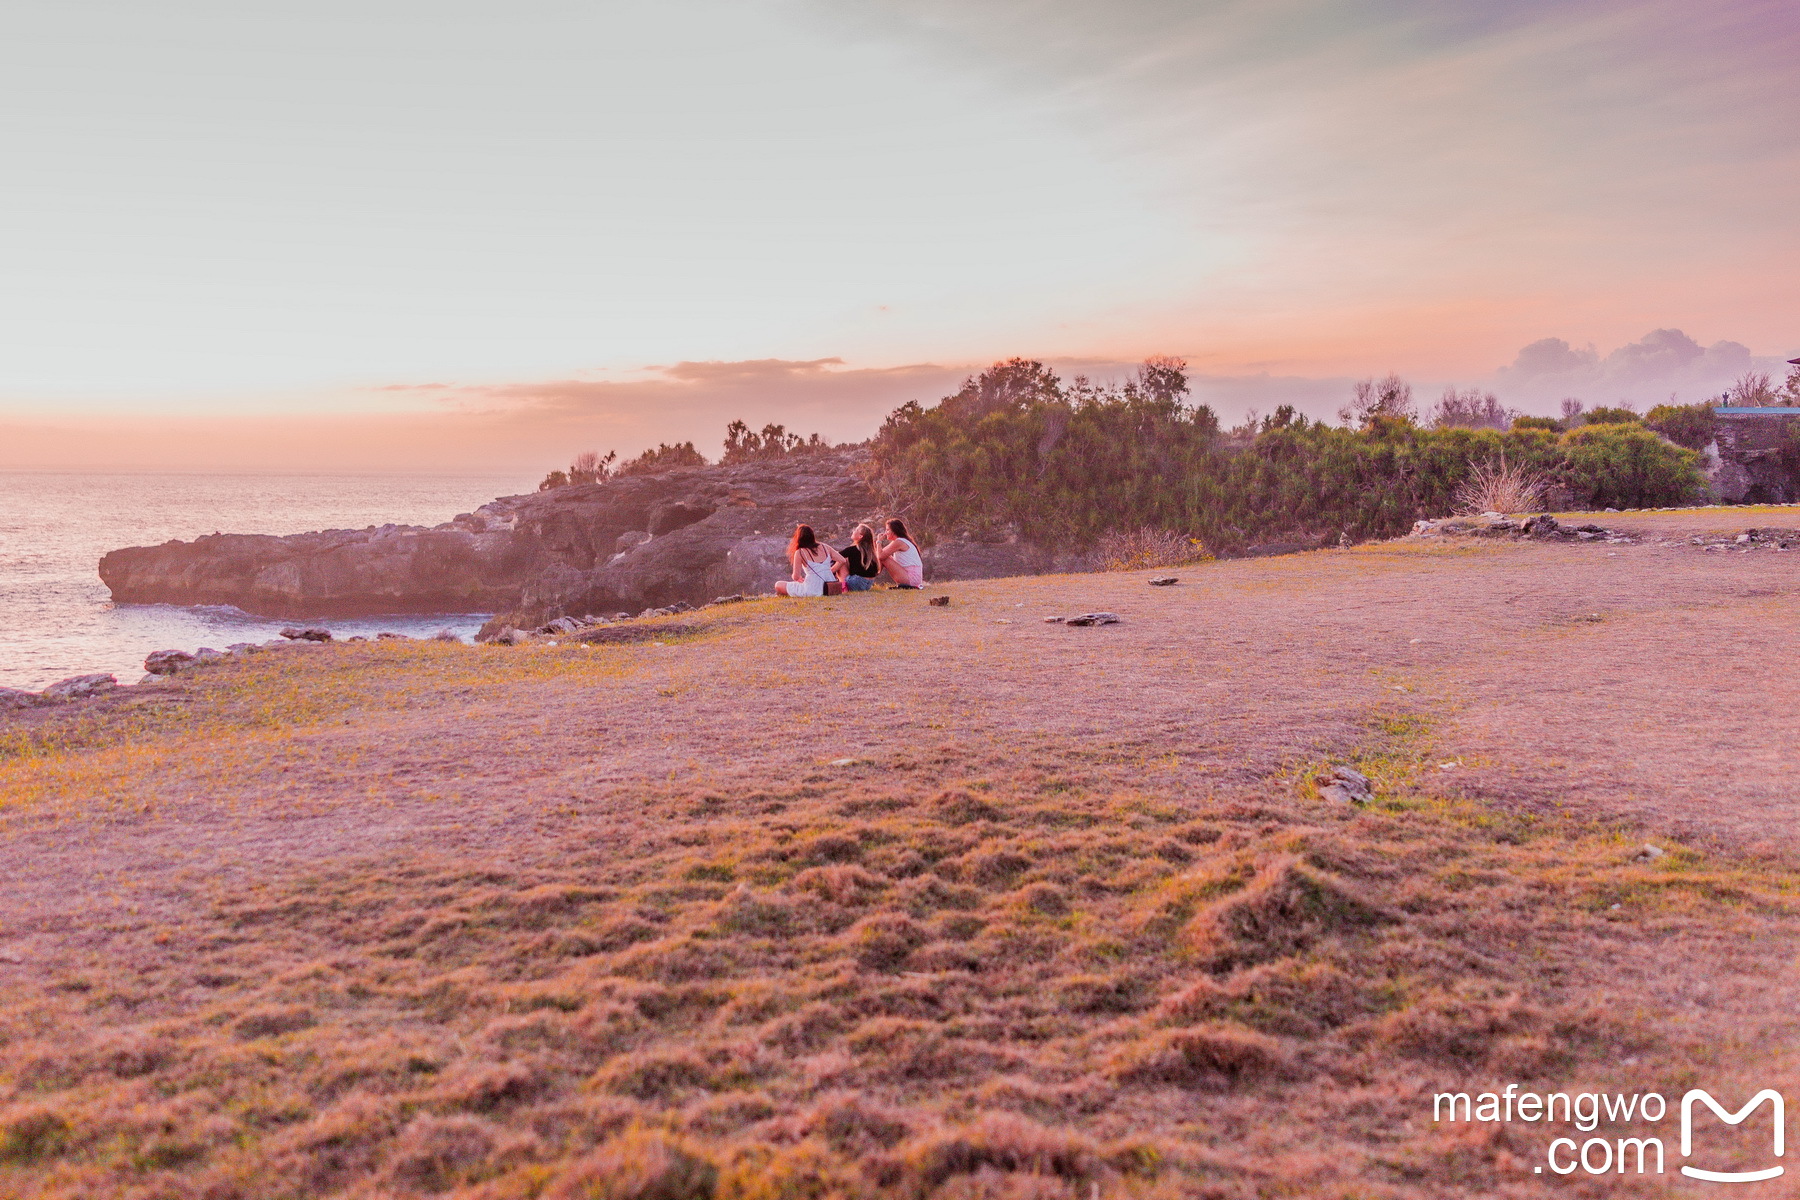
x=859, y=583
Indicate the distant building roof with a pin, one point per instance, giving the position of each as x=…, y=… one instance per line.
x=1725, y=410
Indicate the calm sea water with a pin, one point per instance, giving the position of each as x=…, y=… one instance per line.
x=57, y=619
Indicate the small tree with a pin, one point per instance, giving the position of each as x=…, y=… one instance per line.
x=1471, y=409
x=588, y=467
x=1571, y=411
x=1162, y=379
x=1388, y=397
x=1008, y=386
x=1752, y=390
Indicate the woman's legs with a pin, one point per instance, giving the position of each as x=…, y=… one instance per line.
x=781, y=587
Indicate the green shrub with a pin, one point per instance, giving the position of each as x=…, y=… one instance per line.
x=742, y=445
x=664, y=458
x=1612, y=416
x=1551, y=424
x=1689, y=425
x=1018, y=451
x=1628, y=466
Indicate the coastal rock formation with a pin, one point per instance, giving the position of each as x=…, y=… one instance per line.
x=469, y=565
x=76, y=687
x=624, y=544
x=1751, y=459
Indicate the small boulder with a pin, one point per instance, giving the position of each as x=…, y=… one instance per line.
x=206, y=654
x=1542, y=525
x=167, y=662
x=1096, y=618
x=1165, y=581
x=512, y=637
x=311, y=633
x=939, y=602
x=1648, y=853
x=388, y=636
x=1345, y=785
x=11, y=698
x=80, y=687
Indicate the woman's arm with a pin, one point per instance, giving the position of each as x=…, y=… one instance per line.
x=799, y=570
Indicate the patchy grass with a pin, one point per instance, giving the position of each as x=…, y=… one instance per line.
x=384, y=921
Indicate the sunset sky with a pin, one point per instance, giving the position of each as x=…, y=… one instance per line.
x=449, y=236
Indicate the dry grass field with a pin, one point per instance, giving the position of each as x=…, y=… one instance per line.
x=621, y=921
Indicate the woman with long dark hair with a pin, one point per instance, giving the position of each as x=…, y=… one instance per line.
x=900, y=556
x=861, y=563
x=815, y=566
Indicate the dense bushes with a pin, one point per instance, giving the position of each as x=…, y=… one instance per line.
x=1017, y=450
x=1689, y=425
x=1623, y=465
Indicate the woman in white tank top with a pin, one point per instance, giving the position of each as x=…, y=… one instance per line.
x=900, y=557
x=815, y=566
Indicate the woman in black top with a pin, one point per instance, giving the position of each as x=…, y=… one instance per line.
x=860, y=565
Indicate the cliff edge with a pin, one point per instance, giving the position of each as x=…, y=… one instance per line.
x=623, y=544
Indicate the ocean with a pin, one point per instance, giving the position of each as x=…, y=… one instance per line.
x=57, y=619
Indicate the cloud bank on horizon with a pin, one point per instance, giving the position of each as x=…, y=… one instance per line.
x=220, y=217
x=525, y=428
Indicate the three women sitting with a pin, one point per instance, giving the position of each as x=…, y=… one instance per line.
x=819, y=570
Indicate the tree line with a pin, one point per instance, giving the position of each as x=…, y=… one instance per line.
x=742, y=444
x=1018, y=450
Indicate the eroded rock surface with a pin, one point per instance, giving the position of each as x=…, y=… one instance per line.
x=623, y=545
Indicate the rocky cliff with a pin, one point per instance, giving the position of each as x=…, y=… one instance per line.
x=621, y=545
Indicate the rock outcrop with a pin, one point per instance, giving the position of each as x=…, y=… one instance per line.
x=625, y=544
x=469, y=565
x=1751, y=457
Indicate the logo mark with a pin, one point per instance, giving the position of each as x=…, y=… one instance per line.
x=1737, y=1118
